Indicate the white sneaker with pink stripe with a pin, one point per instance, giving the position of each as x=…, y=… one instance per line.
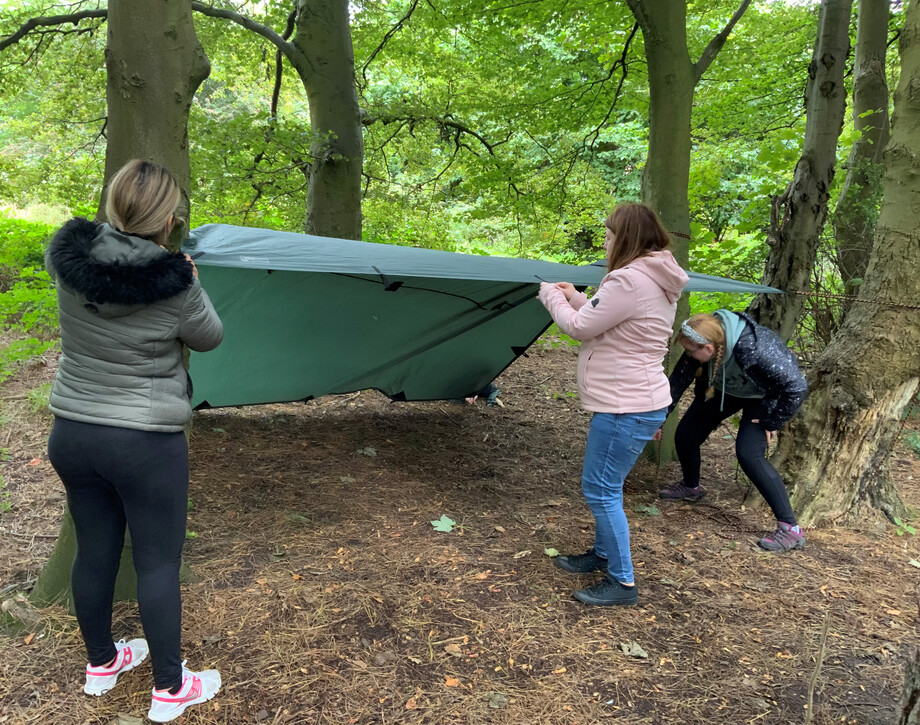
x=196, y=687
x=99, y=680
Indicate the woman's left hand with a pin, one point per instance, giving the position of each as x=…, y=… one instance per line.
x=194, y=266
x=771, y=434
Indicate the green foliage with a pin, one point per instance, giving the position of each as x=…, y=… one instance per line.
x=902, y=528
x=913, y=442
x=28, y=306
x=39, y=398
x=5, y=503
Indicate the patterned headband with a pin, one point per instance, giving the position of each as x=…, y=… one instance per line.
x=692, y=334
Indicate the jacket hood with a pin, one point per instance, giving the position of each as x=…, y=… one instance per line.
x=115, y=272
x=663, y=270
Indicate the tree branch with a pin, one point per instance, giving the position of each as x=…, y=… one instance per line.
x=715, y=45
x=386, y=38
x=440, y=121
x=270, y=35
x=276, y=91
x=51, y=20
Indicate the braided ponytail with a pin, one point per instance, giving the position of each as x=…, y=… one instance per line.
x=714, y=364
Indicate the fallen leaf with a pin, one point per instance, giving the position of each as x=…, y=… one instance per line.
x=650, y=510
x=914, y=562
x=369, y=451
x=28, y=638
x=451, y=682
x=35, y=461
x=500, y=529
x=454, y=649
x=559, y=671
x=496, y=700
x=551, y=552
x=411, y=704
x=632, y=649
x=522, y=554
x=444, y=524
x=347, y=479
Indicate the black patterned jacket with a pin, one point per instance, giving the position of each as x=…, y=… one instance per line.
x=766, y=360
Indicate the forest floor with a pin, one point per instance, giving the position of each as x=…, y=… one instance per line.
x=324, y=594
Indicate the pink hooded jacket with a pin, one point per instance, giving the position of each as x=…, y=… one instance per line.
x=624, y=331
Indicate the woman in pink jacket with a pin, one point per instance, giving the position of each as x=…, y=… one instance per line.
x=624, y=330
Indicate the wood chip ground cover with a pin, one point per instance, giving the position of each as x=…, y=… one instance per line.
x=324, y=594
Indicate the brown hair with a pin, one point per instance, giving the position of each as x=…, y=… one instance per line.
x=710, y=327
x=637, y=231
x=141, y=198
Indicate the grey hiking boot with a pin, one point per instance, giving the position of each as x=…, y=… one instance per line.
x=608, y=593
x=581, y=563
x=679, y=491
x=783, y=539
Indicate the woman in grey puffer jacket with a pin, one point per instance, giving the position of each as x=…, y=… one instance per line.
x=121, y=402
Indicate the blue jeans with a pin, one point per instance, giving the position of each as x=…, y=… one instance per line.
x=615, y=441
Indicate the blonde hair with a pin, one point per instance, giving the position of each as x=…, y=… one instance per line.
x=710, y=327
x=141, y=198
x=637, y=231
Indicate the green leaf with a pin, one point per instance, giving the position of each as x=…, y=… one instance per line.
x=444, y=524
x=551, y=552
x=650, y=510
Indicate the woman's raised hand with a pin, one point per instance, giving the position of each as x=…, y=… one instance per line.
x=568, y=289
x=194, y=267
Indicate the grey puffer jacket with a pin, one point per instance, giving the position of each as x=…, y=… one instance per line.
x=126, y=307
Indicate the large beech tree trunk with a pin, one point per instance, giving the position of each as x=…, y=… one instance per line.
x=155, y=65
x=673, y=77
x=855, y=215
x=323, y=37
x=836, y=450
x=798, y=215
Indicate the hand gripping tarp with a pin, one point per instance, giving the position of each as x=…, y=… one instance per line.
x=306, y=316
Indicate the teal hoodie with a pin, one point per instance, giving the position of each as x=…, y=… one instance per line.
x=729, y=377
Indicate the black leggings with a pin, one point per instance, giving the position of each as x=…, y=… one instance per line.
x=702, y=418
x=113, y=476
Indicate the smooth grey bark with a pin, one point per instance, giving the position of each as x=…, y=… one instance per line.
x=798, y=214
x=836, y=450
x=856, y=211
x=673, y=77
x=154, y=66
x=323, y=35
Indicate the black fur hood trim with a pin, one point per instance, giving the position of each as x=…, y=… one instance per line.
x=140, y=274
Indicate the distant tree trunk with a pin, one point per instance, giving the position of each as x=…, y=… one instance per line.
x=836, y=450
x=323, y=36
x=155, y=64
x=856, y=212
x=672, y=78
x=798, y=215
x=910, y=699
x=321, y=53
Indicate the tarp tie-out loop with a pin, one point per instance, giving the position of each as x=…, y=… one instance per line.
x=387, y=284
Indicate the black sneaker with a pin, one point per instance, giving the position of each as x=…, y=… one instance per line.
x=608, y=593
x=682, y=492
x=581, y=563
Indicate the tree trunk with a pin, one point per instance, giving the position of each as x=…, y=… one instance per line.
x=799, y=213
x=323, y=37
x=155, y=65
x=672, y=78
x=910, y=700
x=836, y=450
x=856, y=212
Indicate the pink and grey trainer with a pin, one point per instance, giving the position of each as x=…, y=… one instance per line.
x=785, y=538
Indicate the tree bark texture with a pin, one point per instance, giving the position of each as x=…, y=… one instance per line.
x=155, y=65
x=323, y=40
x=855, y=215
x=910, y=700
x=798, y=214
x=836, y=450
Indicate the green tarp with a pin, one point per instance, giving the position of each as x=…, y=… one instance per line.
x=306, y=316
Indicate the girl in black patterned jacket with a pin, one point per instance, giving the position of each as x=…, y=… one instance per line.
x=739, y=365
